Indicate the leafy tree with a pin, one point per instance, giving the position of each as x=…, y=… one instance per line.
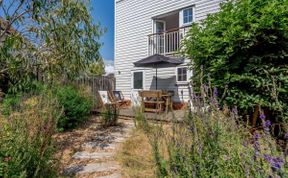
x=243, y=51
x=61, y=36
x=97, y=68
x=71, y=38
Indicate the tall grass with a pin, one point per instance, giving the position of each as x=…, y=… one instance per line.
x=110, y=116
x=26, y=138
x=216, y=143
x=136, y=156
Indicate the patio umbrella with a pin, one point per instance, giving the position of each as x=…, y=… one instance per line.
x=157, y=59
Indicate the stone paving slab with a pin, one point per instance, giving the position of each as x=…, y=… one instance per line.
x=103, y=146
x=95, y=155
x=100, y=168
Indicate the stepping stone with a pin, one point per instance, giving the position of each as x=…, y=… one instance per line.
x=96, y=155
x=92, y=145
x=119, y=139
x=100, y=167
x=72, y=170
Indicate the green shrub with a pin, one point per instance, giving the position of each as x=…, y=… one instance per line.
x=26, y=138
x=243, y=50
x=76, y=105
x=10, y=103
x=12, y=100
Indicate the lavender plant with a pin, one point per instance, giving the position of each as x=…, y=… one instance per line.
x=214, y=142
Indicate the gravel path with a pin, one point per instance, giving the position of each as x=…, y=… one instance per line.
x=90, y=151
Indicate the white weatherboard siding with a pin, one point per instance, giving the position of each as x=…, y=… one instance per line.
x=133, y=23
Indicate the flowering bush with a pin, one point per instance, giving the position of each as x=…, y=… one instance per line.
x=26, y=138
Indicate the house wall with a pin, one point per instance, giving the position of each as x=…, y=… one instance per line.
x=133, y=22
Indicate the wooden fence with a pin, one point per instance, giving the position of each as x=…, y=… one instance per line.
x=98, y=83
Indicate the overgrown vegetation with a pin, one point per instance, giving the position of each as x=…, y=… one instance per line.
x=53, y=42
x=136, y=156
x=26, y=137
x=243, y=52
x=214, y=143
x=217, y=145
x=110, y=115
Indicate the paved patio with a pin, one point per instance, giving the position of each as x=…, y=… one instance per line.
x=176, y=115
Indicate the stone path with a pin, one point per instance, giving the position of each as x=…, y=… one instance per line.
x=95, y=154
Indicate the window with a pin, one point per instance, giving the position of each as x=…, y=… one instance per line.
x=137, y=80
x=188, y=16
x=182, y=74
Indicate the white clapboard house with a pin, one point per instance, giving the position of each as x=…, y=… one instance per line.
x=147, y=27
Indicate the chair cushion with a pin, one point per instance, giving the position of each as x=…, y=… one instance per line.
x=118, y=95
x=104, y=97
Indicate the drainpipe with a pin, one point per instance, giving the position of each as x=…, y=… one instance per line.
x=164, y=43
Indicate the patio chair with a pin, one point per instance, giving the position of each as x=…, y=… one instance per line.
x=151, y=98
x=117, y=96
x=105, y=100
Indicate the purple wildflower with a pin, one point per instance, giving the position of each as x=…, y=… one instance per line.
x=286, y=136
x=275, y=162
x=267, y=123
x=257, y=136
x=209, y=110
x=262, y=116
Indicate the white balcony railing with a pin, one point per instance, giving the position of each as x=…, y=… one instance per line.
x=167, y=42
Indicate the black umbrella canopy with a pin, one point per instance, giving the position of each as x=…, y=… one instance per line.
x=157, y=59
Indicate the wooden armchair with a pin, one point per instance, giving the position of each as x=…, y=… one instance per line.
x=151, y=98
x=117, y=96
x=105, y=100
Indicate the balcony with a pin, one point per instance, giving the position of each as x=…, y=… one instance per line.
x=168, y=42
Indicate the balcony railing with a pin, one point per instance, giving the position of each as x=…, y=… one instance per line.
x=167, y=42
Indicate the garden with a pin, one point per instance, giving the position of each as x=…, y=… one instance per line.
x=239, y=124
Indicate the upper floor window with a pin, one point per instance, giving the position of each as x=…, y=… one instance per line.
x=188, y=16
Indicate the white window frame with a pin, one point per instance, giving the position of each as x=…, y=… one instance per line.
x=181, y=16
x=132, y=79
x=155, y=25
x=188, y=74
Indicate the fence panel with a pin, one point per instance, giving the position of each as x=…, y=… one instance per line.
x=97, y=83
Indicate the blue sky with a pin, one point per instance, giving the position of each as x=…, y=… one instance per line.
x=103, y=12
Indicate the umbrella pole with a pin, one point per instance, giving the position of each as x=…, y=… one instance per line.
x=156, y=79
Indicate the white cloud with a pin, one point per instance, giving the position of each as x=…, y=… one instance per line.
x=109, y=66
